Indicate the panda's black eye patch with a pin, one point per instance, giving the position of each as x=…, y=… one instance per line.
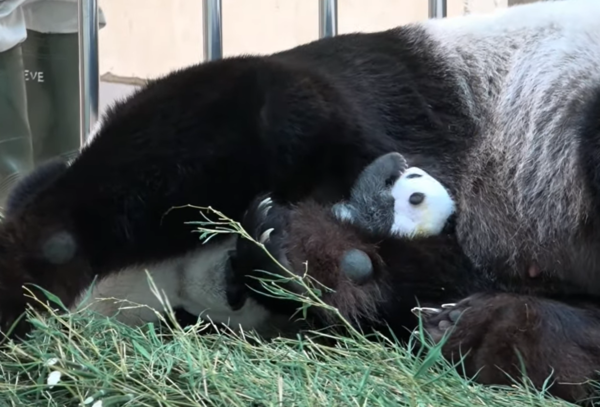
x=417, y=198
x=413, y=176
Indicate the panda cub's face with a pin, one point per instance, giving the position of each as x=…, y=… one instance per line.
x=390, y=199
x=422, y=206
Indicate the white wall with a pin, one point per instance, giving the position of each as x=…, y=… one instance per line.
x=148, y=38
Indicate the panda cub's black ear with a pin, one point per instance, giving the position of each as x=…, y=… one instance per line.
x=371, y=204
x=379, y=176
x=376, y=179
x=33, y=183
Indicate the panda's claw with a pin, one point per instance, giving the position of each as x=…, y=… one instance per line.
x=264, y=237
x=449, y=305
x=265, y=206
x=266, y=223
x=425, y=311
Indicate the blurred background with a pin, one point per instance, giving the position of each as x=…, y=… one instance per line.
x=144, y=42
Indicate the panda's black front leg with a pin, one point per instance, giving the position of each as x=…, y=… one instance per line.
x=307, y=240
x=267, y=224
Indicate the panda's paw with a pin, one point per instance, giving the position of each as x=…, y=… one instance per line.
x=496, y=337
x=473, y=320
x=274, y=226
x=438, y=322
x=307, y=241
x=266, y=224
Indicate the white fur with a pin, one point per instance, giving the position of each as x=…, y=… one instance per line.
x=194, y=282
x=523, y=72
x=427, y=218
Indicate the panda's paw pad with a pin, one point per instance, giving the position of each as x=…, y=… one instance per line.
x=357, y=266
x=437, y=322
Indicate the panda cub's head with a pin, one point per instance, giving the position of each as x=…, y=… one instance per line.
x=391, y=199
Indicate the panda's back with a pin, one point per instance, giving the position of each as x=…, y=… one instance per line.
x=533, y=72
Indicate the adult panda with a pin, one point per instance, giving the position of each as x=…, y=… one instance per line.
x=193, y=289
x=499, y=108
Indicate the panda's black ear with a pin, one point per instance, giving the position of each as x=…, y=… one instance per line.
x=31, y=185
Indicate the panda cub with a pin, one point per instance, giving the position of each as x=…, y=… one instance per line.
x=390, y=199
x=384, y=251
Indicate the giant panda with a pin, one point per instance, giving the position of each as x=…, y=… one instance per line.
x=500, y=108
x=192, y=289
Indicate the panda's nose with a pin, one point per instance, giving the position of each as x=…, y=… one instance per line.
x=417, y=198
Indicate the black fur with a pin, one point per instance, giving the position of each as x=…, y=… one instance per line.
x=589, y=146
x=38, y=179
x=298, y=123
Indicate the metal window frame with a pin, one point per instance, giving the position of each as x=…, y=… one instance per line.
x=89, y=76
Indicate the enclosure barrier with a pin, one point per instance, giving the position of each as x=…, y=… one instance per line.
x=328, y=15
x=89, y=71
x=212, y=29
x=437, y=8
